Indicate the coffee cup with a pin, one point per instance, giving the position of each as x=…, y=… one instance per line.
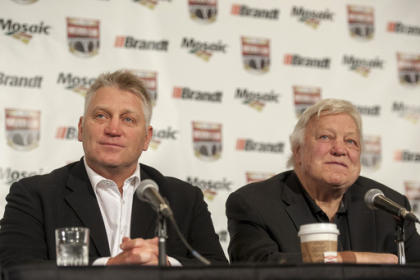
x=318, y=242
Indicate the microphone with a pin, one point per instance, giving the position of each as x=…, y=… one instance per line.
x=148, y=191
x=375, y=199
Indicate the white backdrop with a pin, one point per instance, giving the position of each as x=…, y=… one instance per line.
x=229, y=79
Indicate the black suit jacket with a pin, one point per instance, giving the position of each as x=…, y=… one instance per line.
x=37, y=205
x=264, y=219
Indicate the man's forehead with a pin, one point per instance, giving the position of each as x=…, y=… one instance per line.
x=330, y=121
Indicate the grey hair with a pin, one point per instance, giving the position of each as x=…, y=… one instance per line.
x=124, y=80
x=325, y=107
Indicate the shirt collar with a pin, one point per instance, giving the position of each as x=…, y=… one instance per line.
x=95, y=178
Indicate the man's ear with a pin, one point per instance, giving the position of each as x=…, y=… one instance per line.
x=80, y=130
x=149, y=135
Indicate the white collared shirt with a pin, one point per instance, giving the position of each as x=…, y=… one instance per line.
x=116, y=209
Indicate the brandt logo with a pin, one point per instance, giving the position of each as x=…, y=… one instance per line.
x=151, y=4
x=66, y=133
x=249, y=145
x=297, y=60
x=406, y=156
x=408, y=112
x=20, y=81
x=401, y=28
x=130, y=42
x=197, y=95
x=245, y=11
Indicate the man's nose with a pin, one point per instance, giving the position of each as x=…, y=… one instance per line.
x=339, y=148
x=113, y=127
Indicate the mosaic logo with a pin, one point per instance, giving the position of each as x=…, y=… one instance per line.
x=160, y=135
x=406, y=156
x=207, y=140
x=401, y=28
x=311, y=17
x=197, y=95
x=408, y=112
x=22, y=128
x=83, y=36
x=412, y=191
x=66, y=133
x=409, y=68
x=252, y=176
x=256, y=54
x=78, y=84
x=256, y=100
x=249, y=145
x=25, y=2
x=374, y=110
x=245, y=11
x=20, y=81
x=203, y=49
x=362, y=66
x=297, y=60
x=210, y=188
x=149, y=79
x=203, y=11
x=149, y=3
x=130, y=42
x=372, y=152
x=23, y=31
x=305, y=97
x=9, y=175
x=361, y=22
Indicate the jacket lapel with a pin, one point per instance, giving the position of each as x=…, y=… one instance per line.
x=143, y=217
x=361, y=221
x=297, y=208
x=83, y=201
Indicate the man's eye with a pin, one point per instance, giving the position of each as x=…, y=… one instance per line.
x=324, y=137
x=128, y=119
x=99, y=116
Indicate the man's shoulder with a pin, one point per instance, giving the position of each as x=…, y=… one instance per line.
x=364, y=184
x=57, y=175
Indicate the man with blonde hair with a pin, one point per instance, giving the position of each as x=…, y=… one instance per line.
x=98, y=192
x=324, y=186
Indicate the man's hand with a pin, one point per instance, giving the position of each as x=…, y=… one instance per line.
x=137, y=251
x=366, y=257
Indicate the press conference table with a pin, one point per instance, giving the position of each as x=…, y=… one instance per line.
x=233, y=272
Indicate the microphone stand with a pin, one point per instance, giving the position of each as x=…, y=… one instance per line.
x=400, y=240
x=162, y=236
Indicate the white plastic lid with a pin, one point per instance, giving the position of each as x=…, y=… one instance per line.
x=318, y=228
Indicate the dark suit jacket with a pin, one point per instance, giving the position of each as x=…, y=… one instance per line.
x=37, y=205
x=264, y=219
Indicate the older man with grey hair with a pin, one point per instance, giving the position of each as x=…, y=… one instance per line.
x=324, y=186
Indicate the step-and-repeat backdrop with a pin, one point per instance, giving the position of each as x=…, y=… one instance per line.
x=228, y=78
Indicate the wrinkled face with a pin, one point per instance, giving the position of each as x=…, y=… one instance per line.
x=330, y=154
x=113, y=131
